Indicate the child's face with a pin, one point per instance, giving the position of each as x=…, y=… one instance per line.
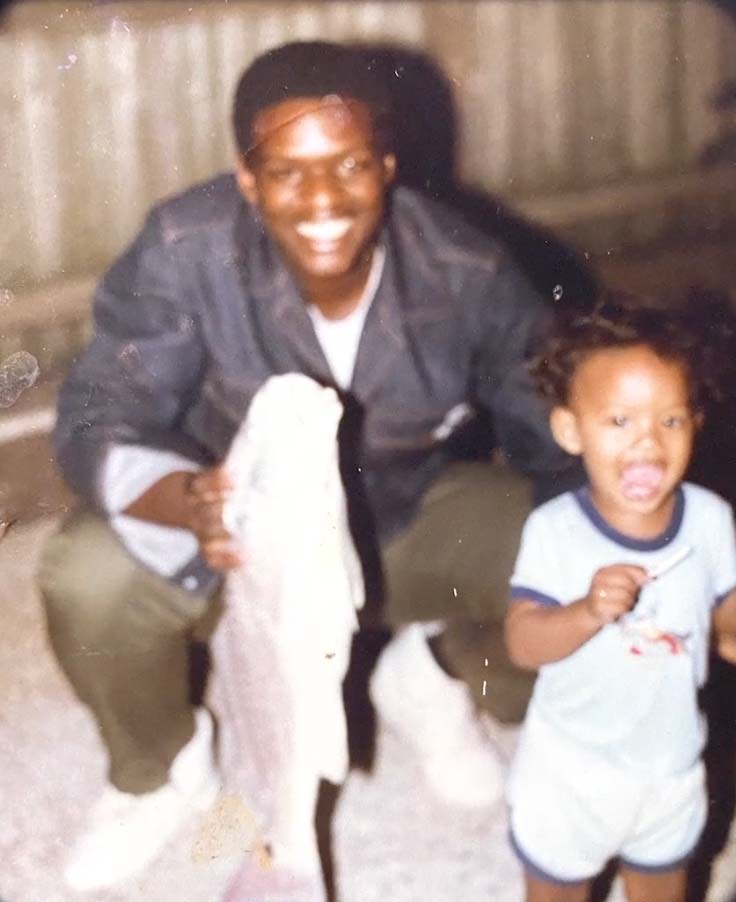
x=630, y=418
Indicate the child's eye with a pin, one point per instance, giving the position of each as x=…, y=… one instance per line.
x=619, y=420
x=673, y=422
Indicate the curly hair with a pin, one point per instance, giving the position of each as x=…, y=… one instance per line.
x=695, y=330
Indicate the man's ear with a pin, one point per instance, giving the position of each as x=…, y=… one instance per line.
x=389, y=168
x=246, y=180
x=564, y=426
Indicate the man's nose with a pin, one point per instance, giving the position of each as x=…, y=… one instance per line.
x=321, y=191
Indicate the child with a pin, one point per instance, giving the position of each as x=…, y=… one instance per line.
x=614, y=592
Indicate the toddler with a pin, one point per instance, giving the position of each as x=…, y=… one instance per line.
x=614, y=593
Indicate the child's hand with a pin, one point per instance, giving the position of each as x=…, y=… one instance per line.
x=614, y=590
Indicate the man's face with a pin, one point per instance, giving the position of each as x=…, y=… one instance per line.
x=630, y=417
x=320, y=183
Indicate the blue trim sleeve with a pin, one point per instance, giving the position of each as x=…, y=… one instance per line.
x=523, y=592
x=539, y=873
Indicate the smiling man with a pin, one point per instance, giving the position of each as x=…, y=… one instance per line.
x=319, y=179
x=307, y=260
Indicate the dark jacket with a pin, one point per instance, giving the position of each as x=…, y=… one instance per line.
x=200, y=310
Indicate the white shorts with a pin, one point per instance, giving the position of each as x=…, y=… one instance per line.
x=572, y=812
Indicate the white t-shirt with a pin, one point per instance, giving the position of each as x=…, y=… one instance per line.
x=340, y=338
x=630, y=692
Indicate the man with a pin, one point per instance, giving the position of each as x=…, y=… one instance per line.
x=304, y=262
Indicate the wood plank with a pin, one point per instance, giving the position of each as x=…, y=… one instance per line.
x=541, y=144
x=701, y=74
x=596, y=91
x=488, y=123
x=647, y=72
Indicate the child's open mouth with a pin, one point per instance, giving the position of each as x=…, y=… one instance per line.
x=642, y=481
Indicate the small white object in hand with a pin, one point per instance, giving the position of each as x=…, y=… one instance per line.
x=669, y=562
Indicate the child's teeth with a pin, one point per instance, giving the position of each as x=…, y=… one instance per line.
x=642, y=479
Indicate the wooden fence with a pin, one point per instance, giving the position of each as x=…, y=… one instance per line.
x=575, y=111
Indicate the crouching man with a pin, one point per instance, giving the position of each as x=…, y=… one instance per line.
x=305, y=260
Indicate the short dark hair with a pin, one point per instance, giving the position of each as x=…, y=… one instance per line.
x=695, y=330
x=311, y=69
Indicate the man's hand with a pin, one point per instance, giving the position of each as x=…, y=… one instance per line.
x=613, y=591
x=207, y=493
x=193, y=501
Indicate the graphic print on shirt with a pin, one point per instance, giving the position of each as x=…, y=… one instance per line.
x=641, y=633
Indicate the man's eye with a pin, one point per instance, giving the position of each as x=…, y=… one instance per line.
x=283, y=173
x=353, y=165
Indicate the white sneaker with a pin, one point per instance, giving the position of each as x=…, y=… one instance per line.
x=436, y=715
x=126, y=832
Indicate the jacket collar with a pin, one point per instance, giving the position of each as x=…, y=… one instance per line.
x=383, y=337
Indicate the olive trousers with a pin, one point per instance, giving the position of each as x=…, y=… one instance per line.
x=123, y=635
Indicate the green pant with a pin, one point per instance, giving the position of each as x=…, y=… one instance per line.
x=123, y=635
x=454, y=563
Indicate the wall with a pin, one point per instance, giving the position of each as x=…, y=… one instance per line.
x=589, y=115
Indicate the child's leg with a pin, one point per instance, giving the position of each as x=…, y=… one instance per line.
x=542, y=891
x=662, y=886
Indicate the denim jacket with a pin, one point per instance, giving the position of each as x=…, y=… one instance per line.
x=201, y=310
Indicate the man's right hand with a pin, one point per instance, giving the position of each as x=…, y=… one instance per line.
x=193, y=501
x=207, y=493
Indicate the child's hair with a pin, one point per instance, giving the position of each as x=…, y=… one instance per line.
x=695, y=330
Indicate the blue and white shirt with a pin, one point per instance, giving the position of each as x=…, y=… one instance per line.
x=630, y=692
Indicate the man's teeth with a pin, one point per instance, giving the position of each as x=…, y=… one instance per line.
x=329, y=230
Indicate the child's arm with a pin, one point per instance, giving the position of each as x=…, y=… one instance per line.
x=538, y=634
x=724, y=627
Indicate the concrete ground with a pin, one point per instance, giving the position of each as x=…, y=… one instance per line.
x=392, y=840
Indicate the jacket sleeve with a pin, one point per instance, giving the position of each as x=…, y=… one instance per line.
x=511, y=320
x=142, y=369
